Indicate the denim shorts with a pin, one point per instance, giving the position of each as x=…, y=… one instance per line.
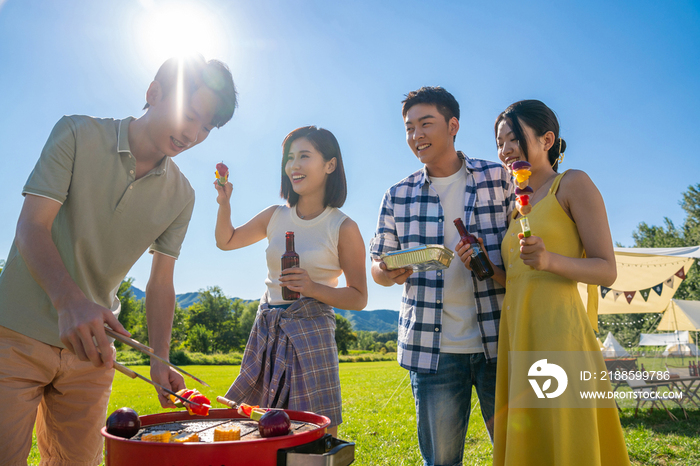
x=443, y=405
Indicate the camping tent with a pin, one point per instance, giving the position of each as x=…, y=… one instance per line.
x=613, y=349
x=684, y=349
x=647, y=279
x=663, y=339
x=682, y=315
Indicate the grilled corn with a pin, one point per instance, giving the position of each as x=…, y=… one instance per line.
x=162, y=436
x=226, y=433
x=185, y=437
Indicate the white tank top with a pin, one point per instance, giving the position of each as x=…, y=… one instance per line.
x=316, y=242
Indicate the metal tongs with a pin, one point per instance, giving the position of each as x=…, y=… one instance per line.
x=147, y=350
x=133, y=374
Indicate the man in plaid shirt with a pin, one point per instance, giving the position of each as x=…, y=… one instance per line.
x=448, y=322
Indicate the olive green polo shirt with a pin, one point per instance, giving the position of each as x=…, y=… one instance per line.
x=107, y=219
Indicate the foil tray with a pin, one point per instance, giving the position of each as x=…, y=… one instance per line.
x=420, y=259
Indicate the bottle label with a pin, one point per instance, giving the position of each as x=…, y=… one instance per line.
x=477, y=250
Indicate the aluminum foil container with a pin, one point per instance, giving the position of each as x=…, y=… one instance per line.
x=420, y=258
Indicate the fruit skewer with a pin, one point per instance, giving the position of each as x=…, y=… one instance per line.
x=521, y=172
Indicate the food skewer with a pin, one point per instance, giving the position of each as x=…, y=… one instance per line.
x=253, y=412
x=148, y=351
x=221, y=173
x=227, y=402
x=521, y=172
x=130, y=373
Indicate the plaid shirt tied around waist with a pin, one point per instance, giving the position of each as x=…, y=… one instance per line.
x=291, y=360
x=410, y=216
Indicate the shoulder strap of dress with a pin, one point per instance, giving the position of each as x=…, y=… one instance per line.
x=555, y=185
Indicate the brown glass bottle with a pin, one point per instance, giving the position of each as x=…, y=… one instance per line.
x=480, y=263
x=289, y=259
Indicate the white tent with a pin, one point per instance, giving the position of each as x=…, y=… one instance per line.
x=684, y=349
x=682, y=315
x=647, y=279
x=613, y=349
x=663, y=339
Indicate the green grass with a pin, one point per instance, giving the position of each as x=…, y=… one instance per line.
x=380, y=418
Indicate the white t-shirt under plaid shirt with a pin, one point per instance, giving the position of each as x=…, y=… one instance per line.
x=410, y=216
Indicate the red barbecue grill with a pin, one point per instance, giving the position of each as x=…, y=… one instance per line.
x=309, y=448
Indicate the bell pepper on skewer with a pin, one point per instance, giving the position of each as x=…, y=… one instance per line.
x=194, y=396
x=184, y=393
x=253, y=412
x=202, y=409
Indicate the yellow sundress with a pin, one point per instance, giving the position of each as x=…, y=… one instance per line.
x=544, y=312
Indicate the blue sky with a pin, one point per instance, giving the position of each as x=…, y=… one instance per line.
x=623, y=79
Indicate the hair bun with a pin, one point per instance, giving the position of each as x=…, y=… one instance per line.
x=562, y=142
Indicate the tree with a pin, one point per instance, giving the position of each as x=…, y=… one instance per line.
x=199, y=339
x=132, y=314
x=212, y=309
x=129, y=305
x=365, y=340
x=219, y=315
x=387, y=337
x=2, y=265
x=247, y=319
x=179, y=334
x=343, y=333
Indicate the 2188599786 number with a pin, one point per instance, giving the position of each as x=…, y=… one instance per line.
x=616, y=376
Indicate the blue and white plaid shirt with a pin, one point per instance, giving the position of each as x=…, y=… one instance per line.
x=410, y=216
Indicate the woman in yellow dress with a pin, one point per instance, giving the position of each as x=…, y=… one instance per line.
x=543, y=311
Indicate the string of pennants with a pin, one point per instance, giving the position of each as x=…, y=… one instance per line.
x=658, y=289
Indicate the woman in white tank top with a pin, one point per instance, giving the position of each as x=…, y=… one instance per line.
x=291, y=359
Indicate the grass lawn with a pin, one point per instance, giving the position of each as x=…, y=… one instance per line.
x=380, y=418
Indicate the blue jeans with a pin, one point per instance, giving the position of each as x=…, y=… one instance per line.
x=443, y=405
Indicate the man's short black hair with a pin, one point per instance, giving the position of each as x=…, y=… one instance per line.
x=197, y=72
x=444, y=101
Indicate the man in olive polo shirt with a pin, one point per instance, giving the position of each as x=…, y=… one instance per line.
x=103, y=192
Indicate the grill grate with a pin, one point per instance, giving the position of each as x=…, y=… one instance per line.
x=249, y=429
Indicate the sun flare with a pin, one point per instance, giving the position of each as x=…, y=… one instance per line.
x=168, y=29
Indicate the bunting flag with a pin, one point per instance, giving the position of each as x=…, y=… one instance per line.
x=645, y=293
x=681, y=273
x=629, y=295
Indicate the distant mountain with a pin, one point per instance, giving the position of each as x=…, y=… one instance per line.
x=138, y=294
x=185, y=300
x=381, y=320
